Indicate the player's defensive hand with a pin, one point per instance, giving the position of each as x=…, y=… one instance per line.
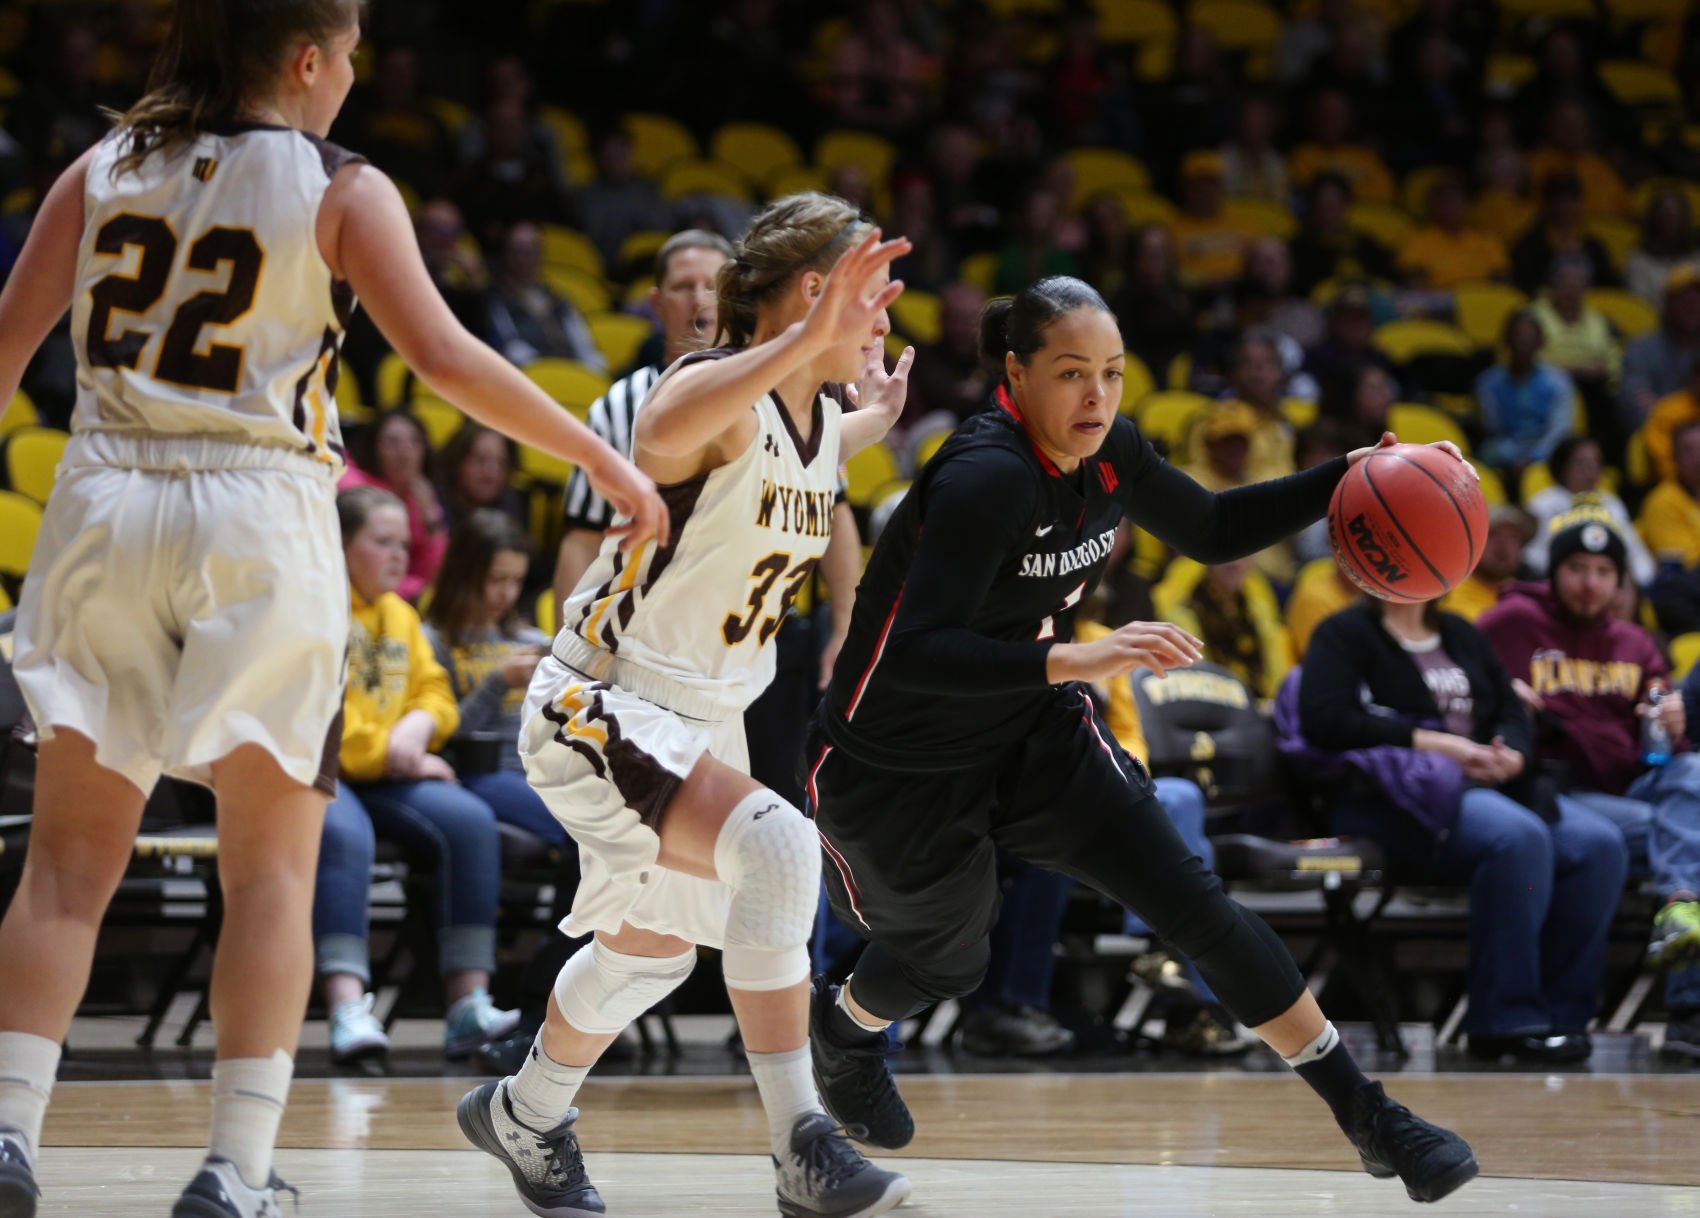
x=1156, y=646
x=881, y=392
x=1388, y=439
x=638, y=507
x=850, y=299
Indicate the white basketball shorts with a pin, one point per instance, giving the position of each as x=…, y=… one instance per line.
x=186, y=596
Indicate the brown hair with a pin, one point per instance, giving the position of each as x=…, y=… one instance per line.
x=458, y=599
x=459, y=446
x=688, y=239
x=802, y=232
x=354, y=507
x=216, y=52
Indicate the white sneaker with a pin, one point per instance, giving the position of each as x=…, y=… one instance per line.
x=473, y=1020
x=18, y=1191
x=219, y=1191
x=355, y=1032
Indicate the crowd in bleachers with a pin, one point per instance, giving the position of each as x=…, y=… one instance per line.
x=1315, y=220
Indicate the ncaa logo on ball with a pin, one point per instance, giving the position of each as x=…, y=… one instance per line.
x=1373, y=552
x=1594, y=538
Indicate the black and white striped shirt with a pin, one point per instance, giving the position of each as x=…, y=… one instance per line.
x=611, y=417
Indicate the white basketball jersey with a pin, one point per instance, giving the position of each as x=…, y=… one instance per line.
x=203, y=305
x=745, y=539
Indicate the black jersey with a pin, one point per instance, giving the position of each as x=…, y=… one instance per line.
x=983, y=566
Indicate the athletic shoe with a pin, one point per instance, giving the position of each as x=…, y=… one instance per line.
x=548, y=1168
x=1208, y=1033
x=1163, y=973
x=472, y=1021
x=18, y=1191
x=1682, y=1037
x=853, y=1078
x=823, y=1176
x=1676, y=935
x=1549, y=1048
x=1014, y=1031
x=505, y=1056
x=1393, y=1141
x=219, y=1191
x=356, y=1033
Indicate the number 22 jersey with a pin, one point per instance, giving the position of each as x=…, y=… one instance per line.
x=745, y=539
x=203, y=306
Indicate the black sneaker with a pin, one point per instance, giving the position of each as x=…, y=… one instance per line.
x=547, y=1168
x=1014, y=1031
x=1682, y=1038
x=854, y=1081
x=1393, y=1141
x=18, y=1191
x=505, y=1056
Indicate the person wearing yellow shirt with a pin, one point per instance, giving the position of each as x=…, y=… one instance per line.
x=1232, y=608
x=1331, y=149
x=1231, y=438
x=397, y=710
x=1509, y=530
x=1209, y=247
x=1569, y=149
x=1322, y=591
x=1445, y=252
x=1670, y=515
x=1668, y=414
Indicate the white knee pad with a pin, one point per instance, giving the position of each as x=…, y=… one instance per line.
x=600, y=990
x=769, y=855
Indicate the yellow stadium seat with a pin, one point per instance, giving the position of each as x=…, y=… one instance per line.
x=981, y=270
x=20, y=521
x=1300, y=412
x=927, y=449
x=637, y=292
x=758, y=151
x=569, y=382
x=569, y=248
x=1413, y=191
x=1169, y=415
x=1135, y=21
x=1382, y=221
x=1314, y=570
x=795, y=181
x=451, y=114
x=1618, y=235
x=1270, y=219
x=567, y=127
x=1101, y=169
x=1403, y=341
x=682, y=179
x=350, y=406
x=393, y=381
x=1178, y=375
x=540, y=466
x=1417, y=424
x=916, y=313
x=1548, y=10
x=31, y=456
x=1493, y=487
x=1536, y=477
x=658, y=141
x=21, y=412
x=1684, y=651
x=618, y=336
x=1635, y=83
x=640, y=249
x=872, y=154
x=868, y=471
x=1632, y=316
x=1482, y=309
x=587, y=292
x=5, y=601
x=547, y=613
x=894, y=344
x=1142, y=209
x=440, y=417
x=1137, y=383
x=1247, y=26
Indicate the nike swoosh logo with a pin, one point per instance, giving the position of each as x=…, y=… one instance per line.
x=1040, y=532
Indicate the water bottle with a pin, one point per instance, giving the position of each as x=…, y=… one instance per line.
x=1655, y=738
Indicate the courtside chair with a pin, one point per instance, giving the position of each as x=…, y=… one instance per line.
x=1404, y=341
x=1137, y=383
x=869, y=470
x=1635, y=83
x=637, y=251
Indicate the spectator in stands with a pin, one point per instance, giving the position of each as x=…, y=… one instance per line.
x=1467, y=29
x=1333, y=148
x=1667, y=242
x=397, y=711
x=1510, y=528
x=1157, y=320
x=951, y=377
x=1308, y=41
x=1327, y=246
x=1347, y=343
x=392, y=455
x=1587, y=675
x=526, y=319
x=514, y=181
x=1439, y=768
x=1252, y=167
x=1435, y=120
x=1576, y=463
x=1668, y=414
x=1557, y=230
x=1446, y=251
x=1209, y=245
x=1357, y=400
x=391, y=123
x=475, y=632
x=1353, y=65
x=1569, y=149
x=1658, y=364
x=1321, y=591
x=1315, y=445
x=962, y=188
x=933, y=259
x=875, y=73
x=1108, y=248
x=1566, y=75
x=617, y=202
x=1579, y=341
x=508, y=82
x=1232, y=609
x=1526, y=405
x=1224, y=437
x=1501, y=205
x=1263, y=298
x=1090, y=87
x=476, y=464
x=1670, y=525
x=1258, y=381
x=1032, y=252
x=1194, y=105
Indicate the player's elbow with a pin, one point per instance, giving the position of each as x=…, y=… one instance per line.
x=663, y=429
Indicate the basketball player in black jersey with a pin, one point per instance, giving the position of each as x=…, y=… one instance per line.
x=957, y=721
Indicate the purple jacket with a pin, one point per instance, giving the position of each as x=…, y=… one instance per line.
x=1425, y=786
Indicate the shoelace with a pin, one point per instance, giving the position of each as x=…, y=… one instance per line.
x=562, y=1157
x=1412, y=1132
x=278, y=1185
x=830, y=1157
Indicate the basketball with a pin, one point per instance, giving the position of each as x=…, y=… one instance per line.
x=1408, y=523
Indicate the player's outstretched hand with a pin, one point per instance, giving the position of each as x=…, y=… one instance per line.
x=881, y=392
x=849, y=301
x=638, y=506
x=1157, y=646
x=1388, y=439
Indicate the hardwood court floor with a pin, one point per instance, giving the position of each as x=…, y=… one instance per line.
x=988, y=1147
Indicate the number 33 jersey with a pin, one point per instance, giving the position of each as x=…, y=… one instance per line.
x=203, y=305
x=745, y=539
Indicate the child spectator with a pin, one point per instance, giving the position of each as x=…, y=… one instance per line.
x=1667, y=242
x=1232, y=608
x=476, y=464
x=391, y=455
x=1527, y=406
x=1587, y=675
x=1445, y=252
x=1575, y=464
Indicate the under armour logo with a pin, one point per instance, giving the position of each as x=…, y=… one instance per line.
x=765, y=811
x=769, y=443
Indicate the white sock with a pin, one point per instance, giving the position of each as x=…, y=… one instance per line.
x=844, y=1005
x=28, y=1065
x=249, y=1094
x=787, y=1085
x=544, y=1089
x=1317, y=1049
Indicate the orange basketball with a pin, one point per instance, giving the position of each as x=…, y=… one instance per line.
x=1408, y=523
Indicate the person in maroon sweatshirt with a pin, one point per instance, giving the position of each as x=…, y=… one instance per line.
x=1586, y=674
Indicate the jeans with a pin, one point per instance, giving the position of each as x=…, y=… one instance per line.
x=1184, y=802
x=1024, y=939
x=1541, y=901
x=1659, y=816
x=513, y=802
x=441, y=827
